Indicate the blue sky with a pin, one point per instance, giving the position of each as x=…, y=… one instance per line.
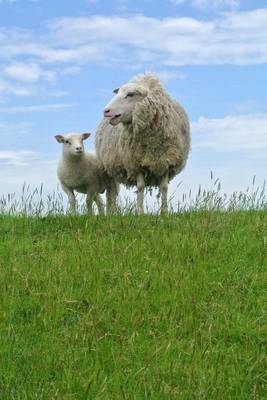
x=59, y=62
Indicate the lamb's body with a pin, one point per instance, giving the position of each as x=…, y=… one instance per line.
x=81, y=171
x=154, y=144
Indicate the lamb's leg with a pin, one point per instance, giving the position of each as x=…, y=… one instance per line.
x=140, y=193
x=112, y=192
x=99, y=203
x=89, y=202
x=72, y=202
x=163, y=188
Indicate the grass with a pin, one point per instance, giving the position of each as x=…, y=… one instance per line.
x=35, y=203
x=133, y=307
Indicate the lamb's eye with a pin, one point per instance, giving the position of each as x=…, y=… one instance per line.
x=68, y=142
x=130, y=94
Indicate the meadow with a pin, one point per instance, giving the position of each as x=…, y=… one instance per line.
x=134, y=307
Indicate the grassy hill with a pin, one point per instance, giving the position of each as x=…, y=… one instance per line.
x=133, y=307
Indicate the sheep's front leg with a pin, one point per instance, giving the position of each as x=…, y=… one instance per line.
x=71, y=196
x=163, y=188
x=140, y=193
x=89, y=203
x=99, y=203
x=112, y=192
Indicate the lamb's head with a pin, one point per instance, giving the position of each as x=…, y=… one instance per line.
x=123, y=104
x=73, y=143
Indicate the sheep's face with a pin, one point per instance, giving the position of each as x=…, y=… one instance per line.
x=73, y=143
x=120, y=108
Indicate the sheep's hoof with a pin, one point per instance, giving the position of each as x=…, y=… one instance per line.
x=72, y=212
x=164, y=211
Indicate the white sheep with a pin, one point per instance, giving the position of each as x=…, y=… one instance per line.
x=144, y=139
x=80, y=171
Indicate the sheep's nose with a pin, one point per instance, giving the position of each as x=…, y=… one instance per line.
x=107, y=112
x=79, y=148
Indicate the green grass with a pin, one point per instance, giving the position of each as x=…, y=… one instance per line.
x=133, y=307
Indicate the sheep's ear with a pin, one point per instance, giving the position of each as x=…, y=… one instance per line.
x=59, y=138
x=85, y=136
x=116, y=90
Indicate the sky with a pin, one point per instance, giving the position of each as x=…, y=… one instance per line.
x=60, y=61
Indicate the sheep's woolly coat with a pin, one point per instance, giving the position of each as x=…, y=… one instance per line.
x=157, y=140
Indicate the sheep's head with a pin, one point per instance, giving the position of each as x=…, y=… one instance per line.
x=73, y=143
x=123, y=104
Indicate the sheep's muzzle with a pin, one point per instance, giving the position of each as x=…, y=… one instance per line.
x=115, y=120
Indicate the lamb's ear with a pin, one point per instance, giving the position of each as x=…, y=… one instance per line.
x=59, y=138
x=116, y=90
x=144, y=113
x=85, y=135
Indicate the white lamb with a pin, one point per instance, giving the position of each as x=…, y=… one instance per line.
x=80, y=171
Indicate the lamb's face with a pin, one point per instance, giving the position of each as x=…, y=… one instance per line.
x=73, y=143
x=120, y=108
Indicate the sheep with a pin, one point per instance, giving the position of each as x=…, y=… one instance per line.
x=80, y=171
x=143, y=139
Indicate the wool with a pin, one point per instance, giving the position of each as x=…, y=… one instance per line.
x=155, y=142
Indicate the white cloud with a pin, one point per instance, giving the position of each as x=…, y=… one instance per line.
x=21, y=157
x=233, y=148
x=166, y=75
x=28, y=72
x=238, y=38
x=235, y=38
x=233, y=133
x=215, y=4
x=14, y=89
x=21, y=78
x=31, y=167
x=11, y=128
x=38, y=108
x=58, y=93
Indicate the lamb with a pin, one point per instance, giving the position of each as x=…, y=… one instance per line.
x=80, y=171
x=144, y=139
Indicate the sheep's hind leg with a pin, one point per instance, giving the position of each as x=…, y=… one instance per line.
x=140, y=193
x=163, y=189
x=99, y=203
x=112, y=192
x=71, y=196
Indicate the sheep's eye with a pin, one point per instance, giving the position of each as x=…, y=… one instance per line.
x=130, y=94
x=68, y=142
